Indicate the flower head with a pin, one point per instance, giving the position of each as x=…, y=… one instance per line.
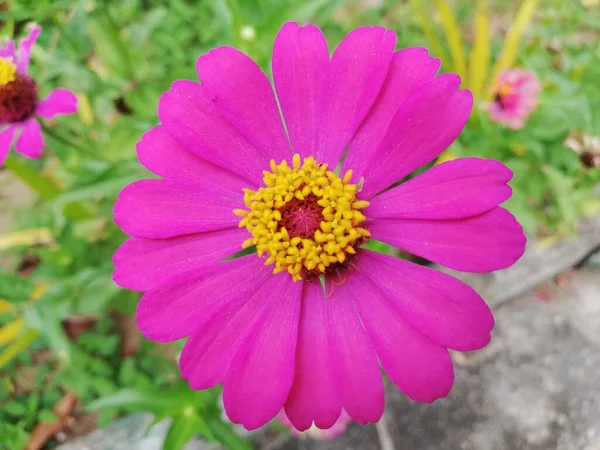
x=308, y=200
x=20, y=104
x=306, y=218
x=516, y=95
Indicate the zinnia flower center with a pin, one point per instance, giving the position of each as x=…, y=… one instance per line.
x=306, y=218
x=504, y=95
x=18, y=93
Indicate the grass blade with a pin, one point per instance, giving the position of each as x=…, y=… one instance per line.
x=33, y=236
x=433, y=42
x=10, y=331
x=454, y=38
x=479, y=65
x=509, y=52
x=17, y=347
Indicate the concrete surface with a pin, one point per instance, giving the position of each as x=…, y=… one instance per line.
x=535, y=387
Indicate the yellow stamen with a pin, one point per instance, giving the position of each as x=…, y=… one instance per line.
x=504, y=89
x=8, y=71
x=337, y=235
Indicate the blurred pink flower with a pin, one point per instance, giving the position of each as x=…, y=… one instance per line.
x=19, y=103
x=261, y=324
x=339, y=427
x=515, y=96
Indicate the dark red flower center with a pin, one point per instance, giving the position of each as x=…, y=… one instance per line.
x=18, y=99
x=301, y=218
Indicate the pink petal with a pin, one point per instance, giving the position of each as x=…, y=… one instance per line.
x=360, y=378
x=410, y=69
x=355, y=77
x=208, y=353
x=24, y=52
x=164, y=156
x=338, y=428
x=190, y=117
x=315, y=394
x=261, y=373
x=300, y=60
x=8, y=51
x=59, y=101
x=180, y=305
x=244, y=97
x=328, y=433
x=142, y=263
x=31, y=141
x=491, y=241
x=452, y=190
x=512, y=109
x=159, y=209
x=419, y=367
x=6, y=139
x=441, y=307
x=428, y=122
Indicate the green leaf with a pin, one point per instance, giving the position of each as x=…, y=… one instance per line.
x=136, y=400
x=141, y=34
x=14, y=288
x=523, y=212
x=14, y=408
x=6, y=306
x=17, y=347
x=46, y=415
x=127, y=372
x=97, y=293
x=10, y=331
x=106, y=416
x=13, y=436
x=125, y=302
x=225, y=434
x=562, y=187
x=222, y=12
x=244, y=252
x=47, y=318
x=110, y=48
x=96, y=191
x=26, y=173
x=379, y=247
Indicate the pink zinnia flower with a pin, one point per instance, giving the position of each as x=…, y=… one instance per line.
x=261, y=324
x=516, y=95
x=19, y=103
x=339, y=427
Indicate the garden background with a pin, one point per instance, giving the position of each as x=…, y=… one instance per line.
x=71, y=359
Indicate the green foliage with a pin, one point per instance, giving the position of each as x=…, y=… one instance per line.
x=119, y=57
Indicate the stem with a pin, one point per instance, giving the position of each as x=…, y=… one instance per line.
x=51, y=132
x=42, y=186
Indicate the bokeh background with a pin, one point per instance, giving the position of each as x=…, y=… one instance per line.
x=71, y=359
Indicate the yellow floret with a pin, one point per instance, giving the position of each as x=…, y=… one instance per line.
x=339, y=232
x=8, y=71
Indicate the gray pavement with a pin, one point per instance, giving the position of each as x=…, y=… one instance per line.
x=535, y=387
